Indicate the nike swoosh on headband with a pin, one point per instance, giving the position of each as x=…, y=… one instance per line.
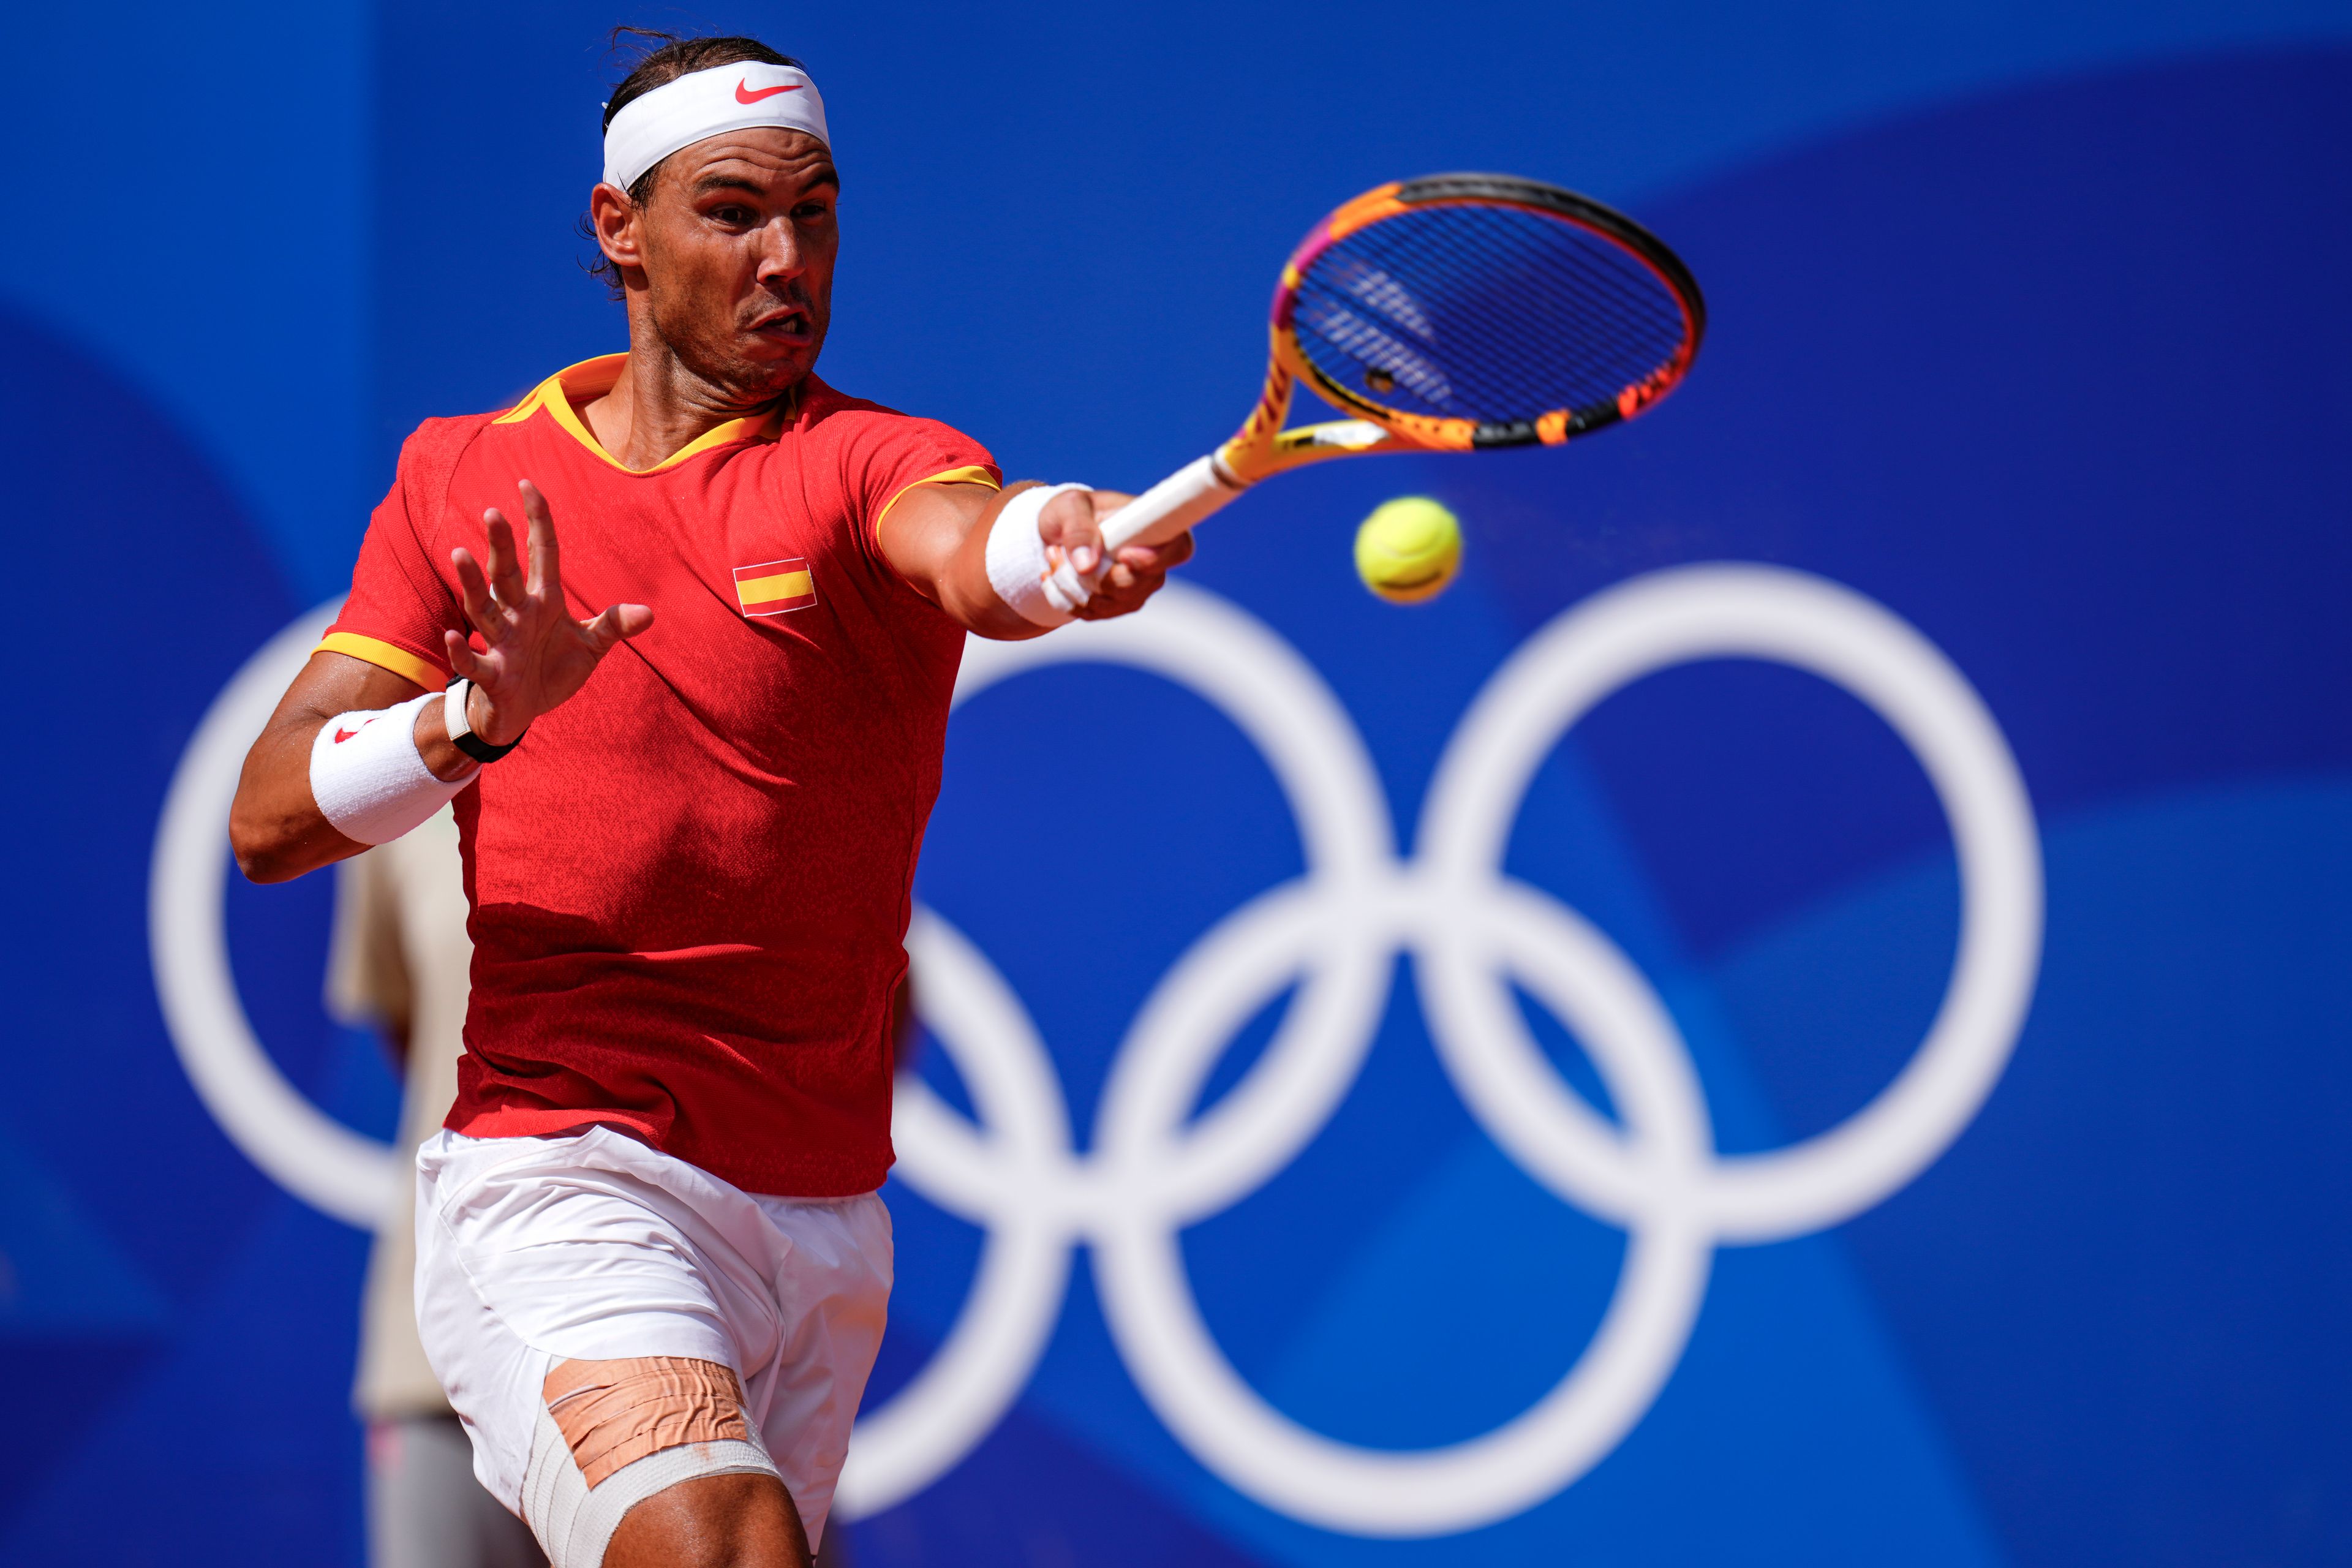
x=744, y=95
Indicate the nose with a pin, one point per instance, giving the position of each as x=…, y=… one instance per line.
x=781, y=260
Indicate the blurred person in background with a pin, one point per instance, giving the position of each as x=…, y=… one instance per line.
x=398, y=961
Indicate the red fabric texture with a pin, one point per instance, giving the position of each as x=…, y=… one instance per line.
x=690, y=884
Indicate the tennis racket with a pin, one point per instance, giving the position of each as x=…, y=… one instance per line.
x=1456, y=313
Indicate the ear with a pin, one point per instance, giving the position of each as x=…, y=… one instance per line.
x=614, y=219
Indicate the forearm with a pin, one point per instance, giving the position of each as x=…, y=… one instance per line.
x=278, y=829
x=962, y=583
x=1002, y=563
x=275, y=828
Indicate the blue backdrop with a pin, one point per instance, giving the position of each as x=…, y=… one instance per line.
x=2027, y=323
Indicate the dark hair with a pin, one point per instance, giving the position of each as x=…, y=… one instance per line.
x=669, y=59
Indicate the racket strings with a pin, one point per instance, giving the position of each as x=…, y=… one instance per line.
x=1603, y=275
x=1619, y=289
x=1493, y=314
x=1601, y=319
x=1596, y=355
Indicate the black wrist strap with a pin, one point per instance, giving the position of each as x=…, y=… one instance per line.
x=461, y=728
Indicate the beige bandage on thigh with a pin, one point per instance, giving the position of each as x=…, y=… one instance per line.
x=614, y=1433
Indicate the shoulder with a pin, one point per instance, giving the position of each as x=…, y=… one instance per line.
x=430, y=455
x=429, y=458
x=854, y=424
x=439, y=441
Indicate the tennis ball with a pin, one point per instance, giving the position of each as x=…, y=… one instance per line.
x=1408, y=550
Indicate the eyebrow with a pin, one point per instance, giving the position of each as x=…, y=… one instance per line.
x=737, y=183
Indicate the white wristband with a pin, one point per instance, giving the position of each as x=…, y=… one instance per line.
x=369, y=778
x=1019, y=569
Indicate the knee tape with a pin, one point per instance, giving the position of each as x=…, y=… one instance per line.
x=614, y=1433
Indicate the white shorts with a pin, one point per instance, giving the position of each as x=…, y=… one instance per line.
x=593, y=1247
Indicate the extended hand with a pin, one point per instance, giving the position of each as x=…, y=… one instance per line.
x=538, y=655
x=1072, y=523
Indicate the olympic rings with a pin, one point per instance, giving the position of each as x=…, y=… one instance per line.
x=1335, y=934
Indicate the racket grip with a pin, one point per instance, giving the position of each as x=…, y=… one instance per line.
x=1170, y=507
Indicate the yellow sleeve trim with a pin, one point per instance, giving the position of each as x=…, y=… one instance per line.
x=965, y=475
x=385, y=655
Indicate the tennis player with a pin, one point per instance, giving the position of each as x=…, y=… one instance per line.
x=692, y=752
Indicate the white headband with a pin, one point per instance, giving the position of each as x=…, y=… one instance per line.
x=709, y=103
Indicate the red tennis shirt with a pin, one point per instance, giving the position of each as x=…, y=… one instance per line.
x=690, y=883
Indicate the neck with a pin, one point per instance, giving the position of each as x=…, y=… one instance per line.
x=660, y=405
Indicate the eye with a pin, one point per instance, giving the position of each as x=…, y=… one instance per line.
x=733, y=216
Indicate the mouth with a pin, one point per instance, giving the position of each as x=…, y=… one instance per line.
x=793, y=326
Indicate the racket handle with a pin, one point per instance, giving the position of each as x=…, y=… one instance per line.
x=1155, y=516
x=1170, y=507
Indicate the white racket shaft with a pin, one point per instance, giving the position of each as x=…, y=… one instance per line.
x=1201, y=486
x=1171, y=506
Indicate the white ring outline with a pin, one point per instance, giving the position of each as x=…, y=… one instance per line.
x=1805, y=622
x=303, y=1150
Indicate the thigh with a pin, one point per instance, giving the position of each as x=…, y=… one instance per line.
x=531, y=1254
x=834, y=1293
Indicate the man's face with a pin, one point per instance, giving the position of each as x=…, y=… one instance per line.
x=737, y=244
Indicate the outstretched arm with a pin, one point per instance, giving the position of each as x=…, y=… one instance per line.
x=936, y=537
x=536, y=656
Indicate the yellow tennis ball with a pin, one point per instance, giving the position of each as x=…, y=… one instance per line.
x=1408, y=550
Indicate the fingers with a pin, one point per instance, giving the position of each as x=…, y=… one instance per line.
x=1136, y=562
x=463, y=659
x=1165, y=556
x=505, y=571
x=1121, y=591
x=474, y=593
x=1112, y=603
x=1138, y=572
x=1067, y=522
x=618, y=624
x=546, y=565
x=495, y=594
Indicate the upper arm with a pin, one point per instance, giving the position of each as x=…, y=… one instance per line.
x=937, y=539
x=926, y=526
x=916, y=491
x=402, y=603
x=332, y=683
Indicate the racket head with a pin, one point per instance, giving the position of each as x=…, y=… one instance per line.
x=1460, y=312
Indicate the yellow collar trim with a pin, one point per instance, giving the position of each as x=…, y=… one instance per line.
x=592, y=378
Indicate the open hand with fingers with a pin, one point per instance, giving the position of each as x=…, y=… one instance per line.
x=537, y=654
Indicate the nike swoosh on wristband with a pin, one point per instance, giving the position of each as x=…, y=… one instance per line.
x=743, y=93
x=343, y=734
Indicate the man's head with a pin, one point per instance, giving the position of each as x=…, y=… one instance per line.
x=723, y=248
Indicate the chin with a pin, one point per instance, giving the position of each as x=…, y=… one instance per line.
x=793, y=359
x=757, y=372
x=778, y=377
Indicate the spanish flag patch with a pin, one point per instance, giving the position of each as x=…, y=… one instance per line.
x=771, y=587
